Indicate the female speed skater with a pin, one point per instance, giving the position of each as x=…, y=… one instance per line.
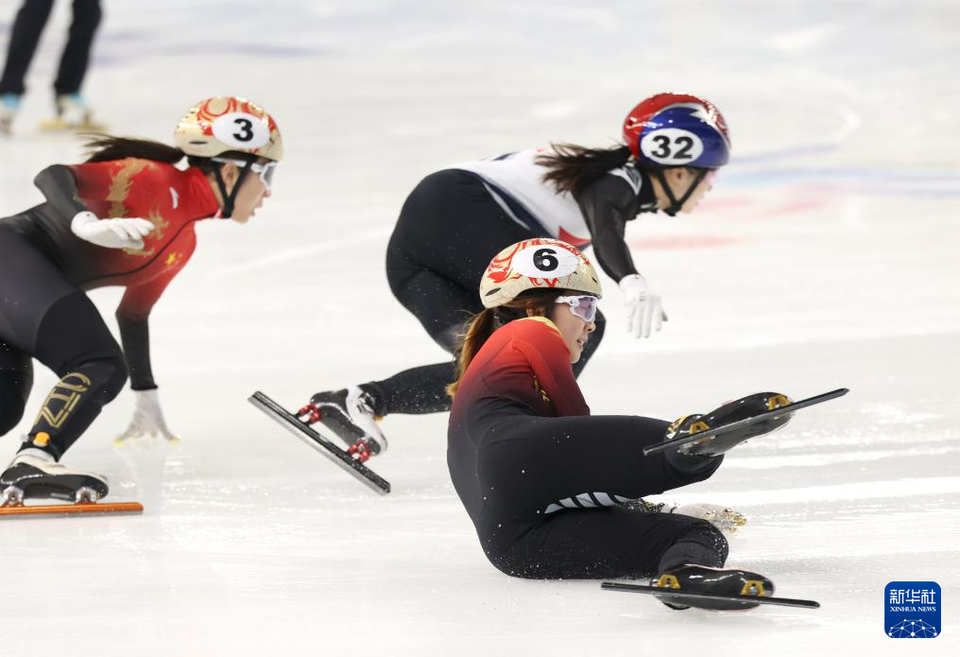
x=124, y=217
x=455, y=218
x=547, y=485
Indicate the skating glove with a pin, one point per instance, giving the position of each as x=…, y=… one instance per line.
x=110, y=233
x=147, y=419
x=644, y=311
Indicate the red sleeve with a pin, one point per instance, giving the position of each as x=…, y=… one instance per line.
x=543, y=347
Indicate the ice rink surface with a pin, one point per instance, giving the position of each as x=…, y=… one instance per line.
x=826, y=256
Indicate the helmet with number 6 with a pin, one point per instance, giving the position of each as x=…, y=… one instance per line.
x=669, y=130
x=539, y=263
x=229, y=124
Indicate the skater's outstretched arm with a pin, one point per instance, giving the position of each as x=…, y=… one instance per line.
x=607, y=205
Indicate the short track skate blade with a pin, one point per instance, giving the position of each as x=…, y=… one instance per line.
x=323, y=445
x=88, y=508
x=676, y=443
x=691, y=598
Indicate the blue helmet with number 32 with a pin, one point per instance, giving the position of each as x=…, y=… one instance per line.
x=677, y=130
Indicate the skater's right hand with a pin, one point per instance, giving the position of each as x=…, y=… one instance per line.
x=111, y=233
x=644, y=310
x=147, y=419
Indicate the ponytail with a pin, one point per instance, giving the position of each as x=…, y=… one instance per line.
x=104, y=148
x=478, y=332
x=482, y=325
x=574, y=167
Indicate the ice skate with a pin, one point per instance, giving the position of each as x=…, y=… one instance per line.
x=732, y=588
x=32, y=477
x=735, y=411
x=73, y=113
x=349, y=414
x=9, y=104
x=351, y=460
x=716, y=589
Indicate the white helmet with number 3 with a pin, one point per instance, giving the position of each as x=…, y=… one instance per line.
x=228, y=123
x=539, y=263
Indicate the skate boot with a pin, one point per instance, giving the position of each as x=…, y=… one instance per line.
x=691, y=578
x=9, y=104
x=73, y=113
x=349, y=414
x=734, y=411
x=33, y=477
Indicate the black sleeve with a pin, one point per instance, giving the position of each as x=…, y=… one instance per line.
x=135, y=336
x=59, y=187
x=607, y=205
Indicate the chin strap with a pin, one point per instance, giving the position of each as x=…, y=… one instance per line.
x=677, y=204
x=228, y=199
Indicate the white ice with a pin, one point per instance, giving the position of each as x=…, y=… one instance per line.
x=826, y=256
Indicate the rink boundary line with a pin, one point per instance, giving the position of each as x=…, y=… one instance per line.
x=298, y=253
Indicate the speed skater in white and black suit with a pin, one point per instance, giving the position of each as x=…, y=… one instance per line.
x=455, y=218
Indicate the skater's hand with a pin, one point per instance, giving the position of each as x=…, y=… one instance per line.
x=147, y=419
x=723, y=518
x=644, y=311
x=111, y=233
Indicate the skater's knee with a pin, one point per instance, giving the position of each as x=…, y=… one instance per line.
x=115, y=376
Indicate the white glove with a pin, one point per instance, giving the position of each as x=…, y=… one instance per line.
x=110, y=233
x=723, y=518
x=147, y=419
x=644, y=311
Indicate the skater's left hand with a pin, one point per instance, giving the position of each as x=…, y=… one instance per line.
x=644, y=310
x=147, y=419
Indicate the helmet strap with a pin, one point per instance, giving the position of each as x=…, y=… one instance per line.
x=677, y=204
x=230, y=198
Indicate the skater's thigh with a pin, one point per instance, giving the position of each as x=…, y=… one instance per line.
x=594, y=543
x=452, y=226
x=442, y=306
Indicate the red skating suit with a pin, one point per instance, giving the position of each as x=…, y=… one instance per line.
x=524, y=365
x=173, y=200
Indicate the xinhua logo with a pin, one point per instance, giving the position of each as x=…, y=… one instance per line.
x=912, y=610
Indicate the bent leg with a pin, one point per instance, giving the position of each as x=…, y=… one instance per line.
x=615, y=542
x=529, y=464
x=74, y=342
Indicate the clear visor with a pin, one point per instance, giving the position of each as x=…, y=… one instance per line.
x=583, y=306
x=265, y=171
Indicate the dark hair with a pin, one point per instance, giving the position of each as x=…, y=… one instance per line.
x=574, y=167
x=104, y=148
x=482, y=325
